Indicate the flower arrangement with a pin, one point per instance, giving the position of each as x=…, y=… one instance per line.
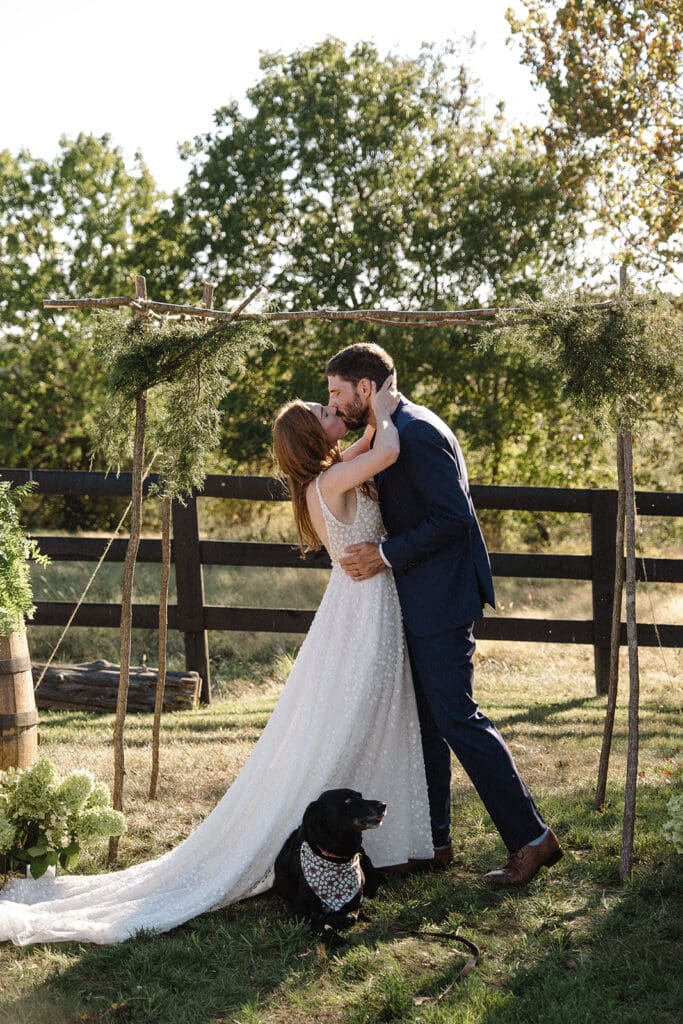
x=44, y=819
x=673, y=828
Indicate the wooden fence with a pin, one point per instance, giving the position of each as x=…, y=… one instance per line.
x=194, y=618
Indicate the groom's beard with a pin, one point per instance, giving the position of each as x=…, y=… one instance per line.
x=356, y=414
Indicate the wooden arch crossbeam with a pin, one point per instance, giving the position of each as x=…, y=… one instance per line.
x=397, y=318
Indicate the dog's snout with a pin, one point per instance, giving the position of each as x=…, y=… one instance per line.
x=374, y=815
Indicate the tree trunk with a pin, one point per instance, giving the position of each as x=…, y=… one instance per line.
x=163, y=631
x=633, y=677
x=127, y=611
x=616, y=630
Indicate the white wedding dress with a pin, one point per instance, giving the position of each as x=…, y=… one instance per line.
x=346, y=718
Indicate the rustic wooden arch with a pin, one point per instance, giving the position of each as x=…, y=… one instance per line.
x=496, y=317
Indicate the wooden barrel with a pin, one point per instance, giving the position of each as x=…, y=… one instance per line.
x=18, y=715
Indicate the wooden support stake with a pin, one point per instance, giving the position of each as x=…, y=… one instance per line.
x=615, y=638
x=207, y=296
x=163, y=635
x=127, y=595
x=207, y=301
x=626, y=862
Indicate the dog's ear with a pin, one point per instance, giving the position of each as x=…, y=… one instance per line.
x=311, y=816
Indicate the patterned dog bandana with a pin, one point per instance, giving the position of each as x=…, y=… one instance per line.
x=335, y=884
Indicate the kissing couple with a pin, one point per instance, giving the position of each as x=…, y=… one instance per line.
x=379, y=695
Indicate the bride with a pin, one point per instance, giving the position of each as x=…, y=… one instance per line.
x=346, y=718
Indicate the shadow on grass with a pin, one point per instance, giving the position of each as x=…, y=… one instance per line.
x=212, y=966
x=541, y=712
x=578, y=966
x=573, y=947
x=200, y=721
x=623, y=969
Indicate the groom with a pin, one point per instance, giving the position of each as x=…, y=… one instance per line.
x=437, y=553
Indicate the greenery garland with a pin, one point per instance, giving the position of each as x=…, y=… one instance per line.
x=615, y=361
x=186, y=367
x=16, y=549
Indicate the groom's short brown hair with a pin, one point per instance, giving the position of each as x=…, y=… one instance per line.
x=363, y=361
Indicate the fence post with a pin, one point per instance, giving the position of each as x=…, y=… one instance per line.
x=603, y=552
x=190, y=591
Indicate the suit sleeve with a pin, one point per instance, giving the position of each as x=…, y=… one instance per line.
x=433, y=470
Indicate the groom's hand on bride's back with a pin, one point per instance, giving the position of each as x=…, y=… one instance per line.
x=361, y=561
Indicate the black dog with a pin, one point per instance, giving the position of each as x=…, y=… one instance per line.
x=322, y=870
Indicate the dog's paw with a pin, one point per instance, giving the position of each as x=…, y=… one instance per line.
x=332, y=938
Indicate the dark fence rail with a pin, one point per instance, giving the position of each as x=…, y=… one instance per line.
x=194, y=618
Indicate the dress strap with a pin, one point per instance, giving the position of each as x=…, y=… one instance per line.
x=323, y=504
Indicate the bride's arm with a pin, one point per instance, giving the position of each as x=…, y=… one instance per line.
x=344, y=476
x=360, y=446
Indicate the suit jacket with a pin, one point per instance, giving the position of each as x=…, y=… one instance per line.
x=434, y=541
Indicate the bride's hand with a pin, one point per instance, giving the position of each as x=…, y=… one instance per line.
x=384, y=400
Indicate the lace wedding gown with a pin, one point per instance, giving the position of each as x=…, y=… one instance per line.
x=346, y=718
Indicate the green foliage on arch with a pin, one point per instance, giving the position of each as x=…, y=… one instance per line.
x=614, y=361
x=184, y=367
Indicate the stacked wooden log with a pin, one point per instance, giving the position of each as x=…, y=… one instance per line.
x=93, y=686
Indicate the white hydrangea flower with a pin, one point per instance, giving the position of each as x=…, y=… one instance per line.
x=33, y=794
x=100, y=796
x=99, y=823
x=75, y=789
x=39, y=809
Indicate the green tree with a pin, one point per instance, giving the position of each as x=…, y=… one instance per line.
x=613, y=73
x=67, y=227
x=357, y=181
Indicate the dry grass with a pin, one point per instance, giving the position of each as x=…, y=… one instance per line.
x=541, y=696
x=573, y=947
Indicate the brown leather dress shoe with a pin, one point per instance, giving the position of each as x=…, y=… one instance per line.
x=523, y=865
x=443, y=856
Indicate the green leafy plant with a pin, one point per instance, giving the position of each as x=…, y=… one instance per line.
x=16, y=549
x=45, y=819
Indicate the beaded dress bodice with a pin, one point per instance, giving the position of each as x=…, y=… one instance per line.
x=366, y=525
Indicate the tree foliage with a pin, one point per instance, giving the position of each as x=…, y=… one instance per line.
x=613, y=75
x=355, y=181
x=66, y=228
x=351, y=180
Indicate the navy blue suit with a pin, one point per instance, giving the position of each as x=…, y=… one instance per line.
x=443, y=576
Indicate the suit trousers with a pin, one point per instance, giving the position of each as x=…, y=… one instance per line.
x=450, y=719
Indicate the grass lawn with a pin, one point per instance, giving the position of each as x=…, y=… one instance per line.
x=575, y=946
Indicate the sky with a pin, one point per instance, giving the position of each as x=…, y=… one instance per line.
x=150, y=73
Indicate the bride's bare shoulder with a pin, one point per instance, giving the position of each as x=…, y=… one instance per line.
x=313, y=500
x=311, y=492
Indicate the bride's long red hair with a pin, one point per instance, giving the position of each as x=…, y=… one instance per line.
x=302, y=452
